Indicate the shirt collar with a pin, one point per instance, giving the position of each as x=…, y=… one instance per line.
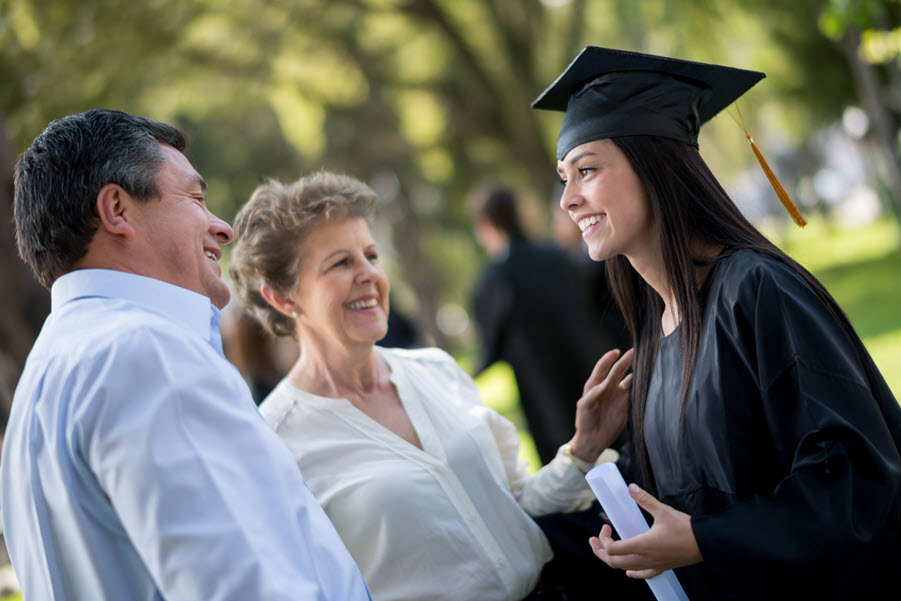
x=189, y=308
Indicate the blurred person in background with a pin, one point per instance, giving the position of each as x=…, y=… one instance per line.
x=531, y=306
x=253, y=351
x=419, y=476
x=135, y=465
x=761, y=424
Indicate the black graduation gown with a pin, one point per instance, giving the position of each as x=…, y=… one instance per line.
x=788, y=459
x=531, y=311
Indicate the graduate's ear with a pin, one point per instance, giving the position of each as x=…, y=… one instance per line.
x=113, y=204
x=279, y=301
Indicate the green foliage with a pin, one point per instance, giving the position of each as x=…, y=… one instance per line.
x=432, y=95
x=837, y=15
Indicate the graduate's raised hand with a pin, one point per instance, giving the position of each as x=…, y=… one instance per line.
x=669, y=543
x=601, y=412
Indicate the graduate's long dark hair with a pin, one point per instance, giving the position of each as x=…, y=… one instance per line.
x=688, y=205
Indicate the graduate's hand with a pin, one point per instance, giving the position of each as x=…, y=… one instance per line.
x=601, y=412
x=670, y=542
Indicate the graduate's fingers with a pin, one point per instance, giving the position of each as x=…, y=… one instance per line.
x=629, y=553
x=646, y=500
x=597, y=547
x=622, y=554
x=643, y=574
x=624, y=562
x=626, y=383
x=598, y=542
x=606, y=531
x=601, y=369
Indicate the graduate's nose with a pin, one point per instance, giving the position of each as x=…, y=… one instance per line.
x=569, y=199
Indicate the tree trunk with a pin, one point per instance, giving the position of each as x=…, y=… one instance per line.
x=867, y=83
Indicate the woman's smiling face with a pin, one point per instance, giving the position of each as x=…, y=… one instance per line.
x=607, y=200
x=342, y=289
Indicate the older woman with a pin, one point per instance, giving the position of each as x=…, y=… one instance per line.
x=420, y=478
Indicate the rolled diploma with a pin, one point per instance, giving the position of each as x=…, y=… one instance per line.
x=611, y=490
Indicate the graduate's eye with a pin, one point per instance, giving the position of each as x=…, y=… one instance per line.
x=340, y=263
x=373, y=256
x=583, y=171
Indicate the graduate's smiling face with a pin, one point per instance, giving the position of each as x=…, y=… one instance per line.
x=606, y=199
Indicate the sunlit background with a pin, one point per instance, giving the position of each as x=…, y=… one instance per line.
x=424, y=99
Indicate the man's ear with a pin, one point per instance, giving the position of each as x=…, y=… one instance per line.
x=113, y=203
x=279, y=302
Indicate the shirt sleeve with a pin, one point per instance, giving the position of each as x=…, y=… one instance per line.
x=559, y=486
x=835, y=514
x=210, y=503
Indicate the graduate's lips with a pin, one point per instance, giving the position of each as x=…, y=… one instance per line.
x=587, y=223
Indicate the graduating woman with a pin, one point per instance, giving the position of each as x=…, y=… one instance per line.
x=768, y=440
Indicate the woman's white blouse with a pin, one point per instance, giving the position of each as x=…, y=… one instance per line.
x=449, y=521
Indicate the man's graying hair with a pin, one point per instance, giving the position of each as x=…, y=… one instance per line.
x=58, y=178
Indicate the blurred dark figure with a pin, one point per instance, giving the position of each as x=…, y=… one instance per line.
x=401, y=332
x=253, y=351
x=517, y=303
x=600, y=300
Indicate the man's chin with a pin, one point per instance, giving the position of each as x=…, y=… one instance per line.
x=220, y=298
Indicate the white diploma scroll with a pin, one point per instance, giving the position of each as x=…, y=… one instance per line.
x=611, y=490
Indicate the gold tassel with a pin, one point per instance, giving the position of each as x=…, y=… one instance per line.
x=786, y=200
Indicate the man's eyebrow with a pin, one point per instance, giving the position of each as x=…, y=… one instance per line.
x=201, y=182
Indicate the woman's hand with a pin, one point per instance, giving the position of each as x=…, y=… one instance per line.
x=670, y=542
x=601, y=412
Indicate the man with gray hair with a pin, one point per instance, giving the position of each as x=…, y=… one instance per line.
x=135, y=465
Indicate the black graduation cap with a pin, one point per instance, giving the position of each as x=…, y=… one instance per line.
x=609, y=93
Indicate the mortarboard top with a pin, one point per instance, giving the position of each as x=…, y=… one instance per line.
x=609, y=93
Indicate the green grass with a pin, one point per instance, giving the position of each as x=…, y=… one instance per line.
x=13, y=597
x=870, y=293
x=823, y=246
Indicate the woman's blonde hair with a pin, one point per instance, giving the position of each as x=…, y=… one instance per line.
x=270, y=230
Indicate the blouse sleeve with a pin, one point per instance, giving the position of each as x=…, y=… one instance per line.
x=559, y=486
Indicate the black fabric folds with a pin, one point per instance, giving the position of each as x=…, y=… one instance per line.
x=788, y=457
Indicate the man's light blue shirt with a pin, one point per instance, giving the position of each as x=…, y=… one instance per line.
x=136, y=467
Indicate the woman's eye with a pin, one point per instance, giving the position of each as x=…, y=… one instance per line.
x=585, y=170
